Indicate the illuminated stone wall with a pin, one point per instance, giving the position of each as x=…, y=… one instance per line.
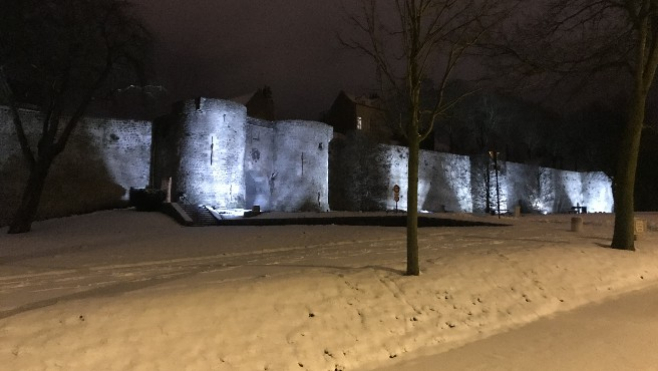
x=201, y=146
x=300, y=169
x=363, y=176
x=456, y=183
x=102, y=160
x=213, y=152
x=218, y=156
x=444, y=180
x=539, y=189
x=259, y=163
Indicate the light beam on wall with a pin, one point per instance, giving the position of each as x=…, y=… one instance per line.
x=597, y=192
x=573, y=187
x=458, y=176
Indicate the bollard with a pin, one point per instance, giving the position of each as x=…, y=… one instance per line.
x=576, y=224
x=640, y=225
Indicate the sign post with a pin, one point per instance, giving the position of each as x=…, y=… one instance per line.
x=640, y=226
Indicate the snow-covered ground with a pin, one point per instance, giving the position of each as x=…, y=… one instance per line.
x=123, y=290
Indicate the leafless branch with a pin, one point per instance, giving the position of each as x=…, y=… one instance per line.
x=5, y=91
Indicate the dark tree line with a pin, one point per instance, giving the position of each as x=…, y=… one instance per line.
x=581, y=40
x=524, y=131
x=410, y=41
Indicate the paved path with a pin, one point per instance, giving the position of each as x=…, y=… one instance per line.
x=618, y=334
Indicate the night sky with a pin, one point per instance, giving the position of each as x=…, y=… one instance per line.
x=224, y=49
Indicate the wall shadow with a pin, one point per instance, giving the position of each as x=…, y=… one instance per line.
x=358, y=180
x=444, y=178
x=79, y=180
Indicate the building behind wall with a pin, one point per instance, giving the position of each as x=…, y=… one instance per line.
x=260, y=104
x=365, y=114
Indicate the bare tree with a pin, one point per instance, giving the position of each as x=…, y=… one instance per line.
x=60, y=55
x=583, y=39
x=411, y=41
x=597, y=129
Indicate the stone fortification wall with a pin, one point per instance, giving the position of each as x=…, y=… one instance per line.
x=102, y=160
x=300, y=174
x=363, y=174
x=259, y=163
x=201, y=144
x=218, y=156
x=540, y=189
x=359, y=179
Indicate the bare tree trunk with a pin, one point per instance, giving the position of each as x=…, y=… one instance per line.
x=424, y=39
x=413, y=268
x=624, y=181
x=26, y=212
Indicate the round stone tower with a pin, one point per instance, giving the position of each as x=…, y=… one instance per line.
x=210, y=141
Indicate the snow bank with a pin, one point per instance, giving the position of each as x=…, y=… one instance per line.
x=132, y=291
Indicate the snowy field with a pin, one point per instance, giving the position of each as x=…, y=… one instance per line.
x=123, y=290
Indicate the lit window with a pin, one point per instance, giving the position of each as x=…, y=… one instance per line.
x=359, y=123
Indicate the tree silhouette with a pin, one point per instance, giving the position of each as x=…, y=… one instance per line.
x=580, y=40
x=411, y=41
x=60, y=55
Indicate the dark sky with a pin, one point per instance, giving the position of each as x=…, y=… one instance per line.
x=229, y=48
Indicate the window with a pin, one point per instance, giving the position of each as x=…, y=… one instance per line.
x=359, y=123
